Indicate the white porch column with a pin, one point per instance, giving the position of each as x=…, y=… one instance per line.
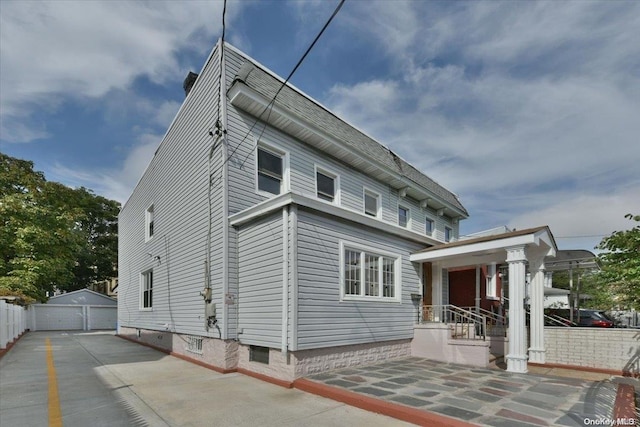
x=537, y=349
x=517, y=354
x=436, y=290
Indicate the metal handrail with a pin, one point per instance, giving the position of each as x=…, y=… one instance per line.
x=496, y=323
x=460, y=319
x=559, y=320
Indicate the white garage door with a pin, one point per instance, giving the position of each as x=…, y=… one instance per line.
x=102, y=317
x=58, y=317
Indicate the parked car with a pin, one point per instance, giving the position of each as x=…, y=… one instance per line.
x=585, y=317
x=595, y=318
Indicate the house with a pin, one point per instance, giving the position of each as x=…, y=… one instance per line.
x=273, y=238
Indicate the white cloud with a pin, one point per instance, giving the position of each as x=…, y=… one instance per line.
x=515, y=106
x=112, y=183
x=52, y=51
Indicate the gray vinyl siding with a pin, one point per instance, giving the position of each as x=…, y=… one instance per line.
x=303, y=158
x=175, y=182
x=260, y=281
x=324, y=320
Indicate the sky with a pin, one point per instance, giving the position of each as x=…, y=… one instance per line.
x=528, y=111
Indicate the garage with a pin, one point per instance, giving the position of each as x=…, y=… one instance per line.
x=82, y=310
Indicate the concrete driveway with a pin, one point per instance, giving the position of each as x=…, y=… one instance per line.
x=96, y=379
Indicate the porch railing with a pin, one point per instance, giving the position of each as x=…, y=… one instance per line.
x=549, y=320
x=464, y=323
x=496, y=323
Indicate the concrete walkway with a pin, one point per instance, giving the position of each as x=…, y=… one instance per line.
x=103, y=380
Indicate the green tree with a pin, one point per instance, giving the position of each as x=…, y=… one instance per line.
x=620, y=263
x=51, y=235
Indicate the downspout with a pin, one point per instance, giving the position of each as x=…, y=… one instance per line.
x=285, y=278
x=478, y=298
x=294, y=277
x=225, y=193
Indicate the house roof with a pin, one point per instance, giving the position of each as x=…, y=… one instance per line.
x=488, y=238
x=74, y=295
x=291, y=100
x=572, y=258
x=539, y=242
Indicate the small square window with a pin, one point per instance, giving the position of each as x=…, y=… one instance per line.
x=259, y=354
x=371, y=203
x=326, y=186
x=448, y=234
x=428, y=229
x=403, y=216
x=146, y=294
x=270, y=171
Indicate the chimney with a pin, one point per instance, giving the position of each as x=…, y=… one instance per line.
x=188, y=82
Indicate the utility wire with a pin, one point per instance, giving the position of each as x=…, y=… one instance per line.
x=272, y=102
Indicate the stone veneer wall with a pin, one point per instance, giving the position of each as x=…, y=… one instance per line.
x=218, y=353
x=600, y=348
x=310, y=362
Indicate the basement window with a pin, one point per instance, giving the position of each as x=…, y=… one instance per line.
x=259, y=354
x=194, y=344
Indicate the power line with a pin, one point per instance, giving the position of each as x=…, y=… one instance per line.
x=272, y=102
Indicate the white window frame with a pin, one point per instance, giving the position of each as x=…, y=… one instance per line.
x=336, y=183
x=367, y=250
x=143, y=289
x=408, y=224
x=378, y=198
x=433, y=225
x=448, y=230
x=276, y=151
x=149, y=220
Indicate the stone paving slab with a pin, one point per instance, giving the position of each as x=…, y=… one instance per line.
x=486, y=397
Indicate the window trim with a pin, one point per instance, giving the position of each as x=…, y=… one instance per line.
x=428, y=219
x=143, y=289
x=378, y=198
x=276, y=151
x=367, y=250
x=408, y=224
x=149, y=222
x=336, y=183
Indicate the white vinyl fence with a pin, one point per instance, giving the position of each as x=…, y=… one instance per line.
x=13, y=322
x=72, y=317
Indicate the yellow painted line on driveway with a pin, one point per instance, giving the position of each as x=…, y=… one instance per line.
x=55, y=415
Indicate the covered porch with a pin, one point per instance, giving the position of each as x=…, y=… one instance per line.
x=522, y=252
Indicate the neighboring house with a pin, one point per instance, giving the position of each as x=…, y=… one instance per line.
x=107, y=287
x=279, y=240
x=576, y=262
x=83, y=309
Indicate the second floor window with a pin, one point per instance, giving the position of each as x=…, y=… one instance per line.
x=326, y=186
x=448, y=234
x=428, y=229
x=270, y=171
x=371, y=203
x=403, y=216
